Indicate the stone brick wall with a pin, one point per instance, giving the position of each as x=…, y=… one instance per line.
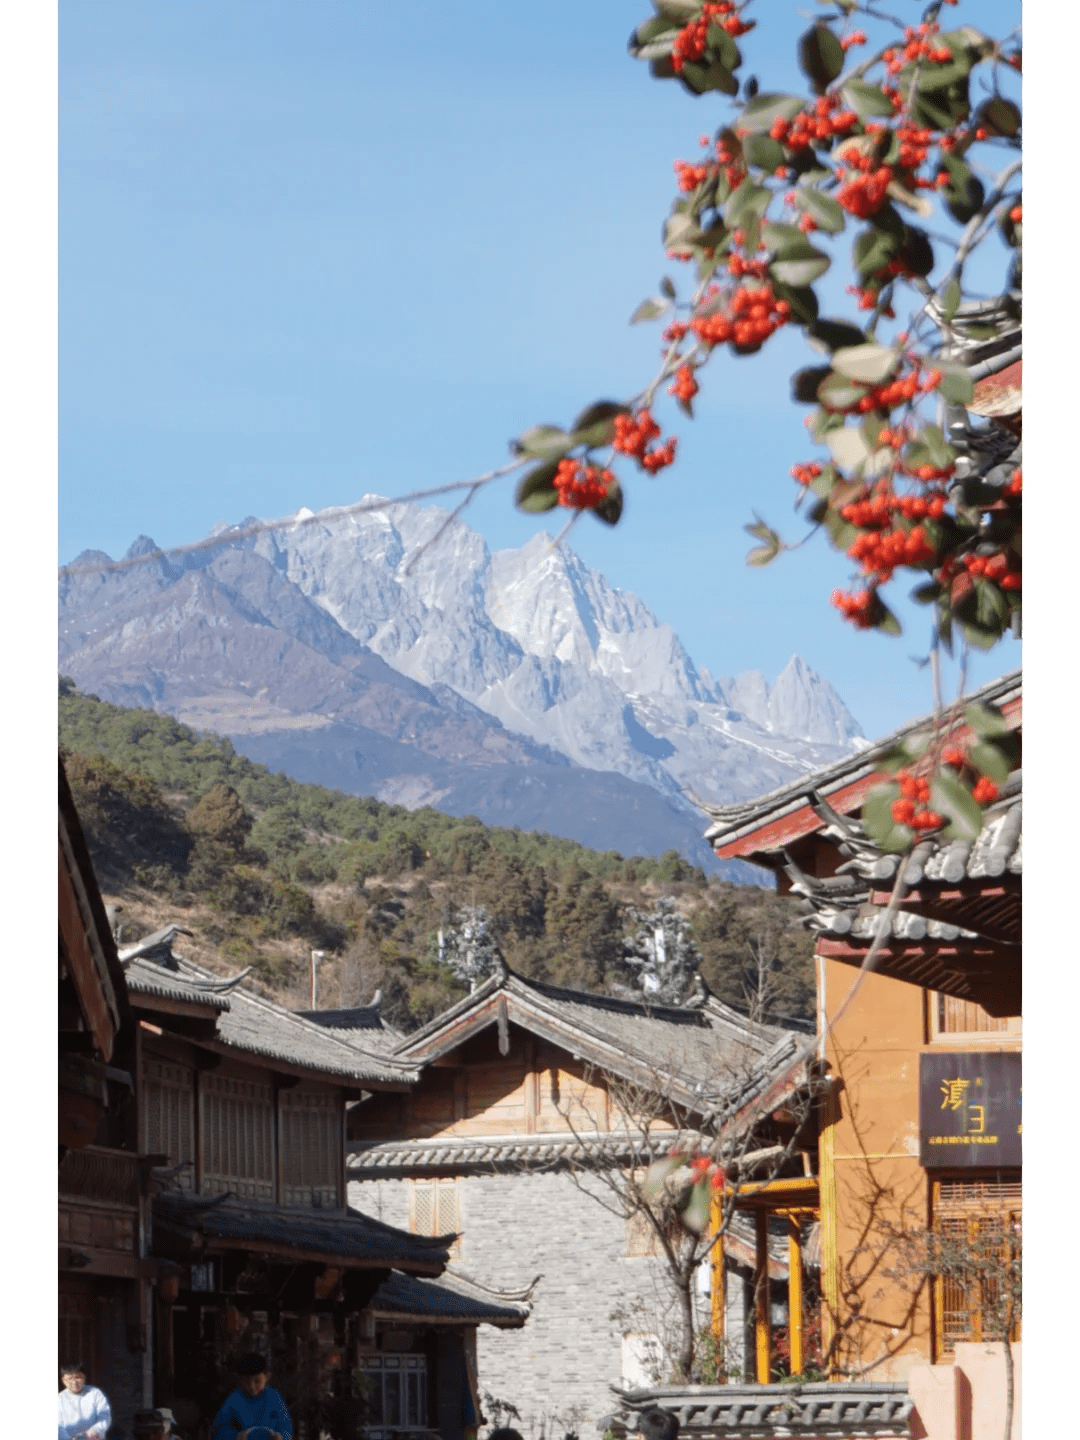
x=557, y=1369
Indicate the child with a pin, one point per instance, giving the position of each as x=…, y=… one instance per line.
x=83, y=1409
x=657, y=1424
x=253, y=1405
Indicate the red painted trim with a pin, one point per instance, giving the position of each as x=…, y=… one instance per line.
x=773, y=834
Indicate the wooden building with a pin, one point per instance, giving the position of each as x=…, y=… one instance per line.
x=519, y=1104
x=921, y=1126
x=102, y=1284
x=242, y=1113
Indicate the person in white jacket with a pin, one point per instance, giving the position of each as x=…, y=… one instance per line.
x=83, y=1408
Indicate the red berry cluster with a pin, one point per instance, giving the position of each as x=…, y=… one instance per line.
x=865, y=193
x=918, y=47
x=810, y=127
x=911, y=808
x=580, y=486
x=857, y=37
x=684, y=387
x=882, y=550
x=692, y=39
x=690, y=176
x=804, y=474
x=1016, y=484
x=632, y=437
x=897, y=392
x=998, y=567
x=858, y=608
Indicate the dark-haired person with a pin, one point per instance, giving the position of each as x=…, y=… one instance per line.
x=83, y=1409
x=504, y=1432
x=657, y=1424
x=253, y=1405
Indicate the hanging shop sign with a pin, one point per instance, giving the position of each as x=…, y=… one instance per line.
x=969, y=1109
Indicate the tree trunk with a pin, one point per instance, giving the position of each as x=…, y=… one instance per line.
x=1009, y=1388
x=685, y=1360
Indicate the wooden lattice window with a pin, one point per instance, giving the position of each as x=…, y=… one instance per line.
x=395, y=1389
x=237, y=1119
x=310, y=1137
x=434, y=1209
x=952, y=1016
x=979, y=1222
x=77, y=1326
x=168, y=1108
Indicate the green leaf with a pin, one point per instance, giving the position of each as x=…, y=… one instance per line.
x=681, y=11
x=882, y=829
x=834, y=334
x=759, y=115
x=800, y=272
x=951, y=798
x=941, y=453
x=826, y=214
x=917, y=250
x=695, y=1215
x=848, y=448
x=866, y=100
x=596, y=424
x=804, y=383
x=746, y=197
x=956, y=387
x=680, y=232
x=667, y=288
x=610, y=509
x=535, y=491
x=650, y=309
x=801, y=298
x=927, y=592
x=873, y=250
x=699, y=79
x=840, y=393
x=1000, y=117
x=990, y=760
x=868, y=363
x=722, y=47
x=764, y=152
x=950, y=300
x=544, y=442
x=965, y=193
x=821, y=56
x=658, y=1174
x=987, y=721
x=653, y=36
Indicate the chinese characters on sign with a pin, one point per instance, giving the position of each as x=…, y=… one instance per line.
x=969, y=1109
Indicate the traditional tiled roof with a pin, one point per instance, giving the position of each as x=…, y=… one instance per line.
x=359, y=1025
x=754, y=1412
x=301, y=1232
x=732, y=823
x=692, y=1048
x=249, y=1022
x=489, y=1152
x=452, y=1299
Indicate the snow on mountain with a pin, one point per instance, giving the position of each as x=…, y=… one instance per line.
x=536, y=639
x=401, y=640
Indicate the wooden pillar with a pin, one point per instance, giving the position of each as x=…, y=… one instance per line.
x=830, y=1262
x=762, y=1329
x=795, y=1293
x=717, y=1293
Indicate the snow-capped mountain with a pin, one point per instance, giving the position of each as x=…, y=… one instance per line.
x=445, y=655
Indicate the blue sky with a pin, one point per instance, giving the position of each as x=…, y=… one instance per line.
x=317, y=248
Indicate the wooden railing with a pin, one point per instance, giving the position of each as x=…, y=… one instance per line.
x=99, y=1174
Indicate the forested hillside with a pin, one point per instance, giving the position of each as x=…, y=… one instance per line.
x=262, y=869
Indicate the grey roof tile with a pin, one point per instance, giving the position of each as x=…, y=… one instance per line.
x=346, y=1233
x=450, y=1299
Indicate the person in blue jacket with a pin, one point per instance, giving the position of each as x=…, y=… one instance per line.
x=253, y=1405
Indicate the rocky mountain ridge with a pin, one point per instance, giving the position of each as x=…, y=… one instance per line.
x=372, y=652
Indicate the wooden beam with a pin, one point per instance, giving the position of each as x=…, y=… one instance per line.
x=795, y=1294
x=717, y=1295
x=762, y=1327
